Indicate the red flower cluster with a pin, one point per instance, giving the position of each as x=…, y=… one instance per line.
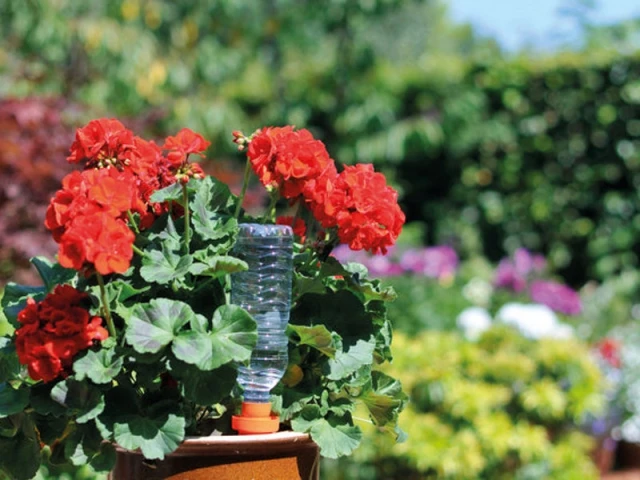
x=287, y=159
x=357, y=202
x=54, y=330
x=89, y=216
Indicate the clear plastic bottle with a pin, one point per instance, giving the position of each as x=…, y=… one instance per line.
x=264, y=291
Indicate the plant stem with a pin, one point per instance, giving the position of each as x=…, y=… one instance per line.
x=138, y=251
x=245, y=184
x=105, y=306
x=187, y=221
x=271, y=212
x=132, y=220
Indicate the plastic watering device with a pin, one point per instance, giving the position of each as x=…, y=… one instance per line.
x=264, y=290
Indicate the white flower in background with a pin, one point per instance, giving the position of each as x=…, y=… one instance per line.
x=534, y=320
x=478, y=292
x=473, y=321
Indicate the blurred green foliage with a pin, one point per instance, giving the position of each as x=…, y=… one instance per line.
x=502, y=408
x=490, y=153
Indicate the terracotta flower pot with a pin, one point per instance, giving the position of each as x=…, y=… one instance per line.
x=285, y=455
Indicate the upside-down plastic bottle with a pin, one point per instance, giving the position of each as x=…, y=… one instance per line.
x=264, y=290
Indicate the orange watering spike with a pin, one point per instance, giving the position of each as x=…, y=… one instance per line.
x=255, y=418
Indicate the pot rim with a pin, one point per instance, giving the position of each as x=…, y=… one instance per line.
x=223, y=444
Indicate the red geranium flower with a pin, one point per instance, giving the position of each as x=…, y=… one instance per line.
x=367, y=212
x=101, y=140
x=185, y=142
x=288, y=159
x=54, y=330
x=299, y=228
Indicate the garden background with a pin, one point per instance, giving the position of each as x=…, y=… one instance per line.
x=515, y=169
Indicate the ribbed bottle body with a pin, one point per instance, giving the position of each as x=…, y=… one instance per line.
x=264, y=290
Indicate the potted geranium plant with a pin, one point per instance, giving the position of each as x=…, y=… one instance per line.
x=132, y=342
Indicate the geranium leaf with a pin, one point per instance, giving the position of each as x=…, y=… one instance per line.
x=172, y=193
x=105, y=459
x=9, y=365
x=82, y=444
x=12, y=400
x=155, y=437
x=80, y=398
x=232, y=338
x=335, y=435
x=41, y=401
x=347, y=362
x=385, y=400
x=218, y=266
x=51, y=428
x=193, y=347
x=341, y=312
x=52, y=274
x=316, y=336
x=154, y=325
x=21, y=453
x=162, y=266
x=119, y=290
x=335, y=440
x=234, y=333
x=14, y=299
x=205, y=388
x=99, y=367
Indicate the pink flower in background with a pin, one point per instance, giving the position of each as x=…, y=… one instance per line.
x=434, y=262
x=556, y=296
x=513, y=273
x=507, y=276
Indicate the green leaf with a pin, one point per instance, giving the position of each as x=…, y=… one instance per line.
x=211, y=218
x=105, y=459
x=82, y=444
x=41, y=401
x=154, y=325
x=232, y=338
x=120, y=290
x=52, y=274
x=163, y=266
x=9, y=364
x=218, y=266
x=81, y=398
x=12, y=400
x=15, y=297
x=51, y=428
x=204, y=388
x=341, y=312
x=165, y=233
x=100, y=367
x=347, y=362
x=385, y=400
x=334, y=439
x=317, y=337
x=155, y=437
x=172, y=193
x=20, y=456
x=335, y=435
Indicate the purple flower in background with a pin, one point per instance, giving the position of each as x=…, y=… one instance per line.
x=556, y=296
x=435, y=262
x=513, y=273
x=378, y=265
x=507, y=276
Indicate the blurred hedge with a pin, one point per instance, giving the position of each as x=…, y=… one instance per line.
x=491, y=154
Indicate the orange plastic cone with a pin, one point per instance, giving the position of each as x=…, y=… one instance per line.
x=255, y=418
